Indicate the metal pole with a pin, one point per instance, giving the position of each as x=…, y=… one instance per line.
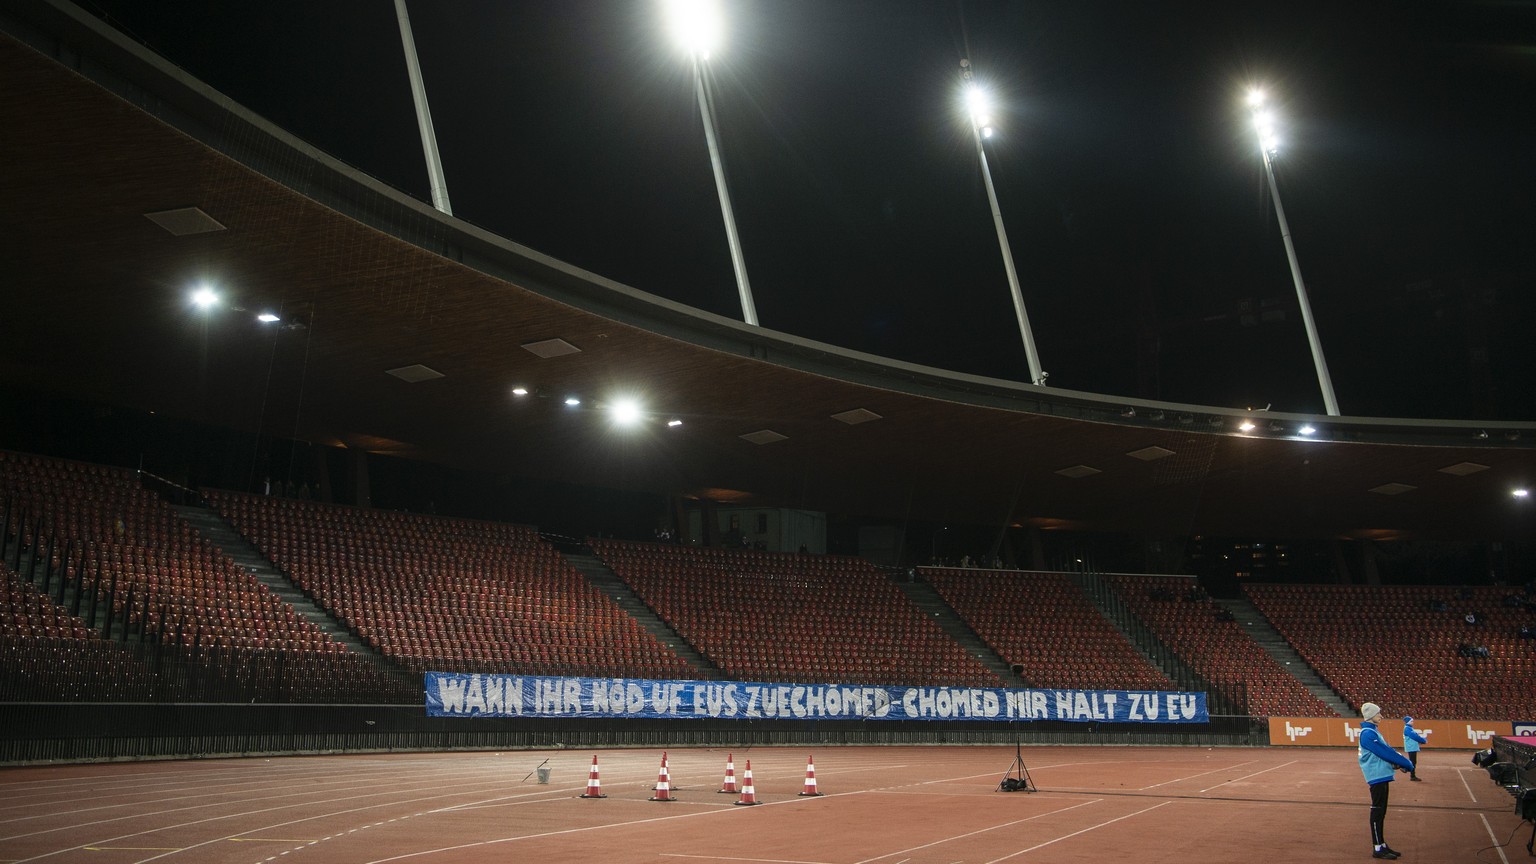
x=1036, y=376
x=1323, y=381
x=423, y=113
x=738, y=263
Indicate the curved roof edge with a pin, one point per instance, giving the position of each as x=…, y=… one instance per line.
x=93, y=49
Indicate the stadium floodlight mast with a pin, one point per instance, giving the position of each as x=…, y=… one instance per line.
x=1264, y=124
x=435, y=178
x=977, y=105
x=697, y=26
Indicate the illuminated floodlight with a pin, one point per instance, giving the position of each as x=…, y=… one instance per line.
x=674, y=422
x=519, y=391
x=268, y=318
x=1247, y=426
x=1308, y=429
x=1521, y=493
x=204, y=297
x=696, y=25
x=979, y=103
x=626, y=412
x=1255, y=97
x=572, y=401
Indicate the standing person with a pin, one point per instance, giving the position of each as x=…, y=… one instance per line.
x=1411, y=741
x=1377, y=762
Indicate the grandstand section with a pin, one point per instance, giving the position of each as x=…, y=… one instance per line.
x=1044, y=624
x=453, y=595
x=1400, y=646
x=1189, y=623
x=783, y=617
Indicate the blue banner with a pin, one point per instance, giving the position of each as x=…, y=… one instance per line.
x=461, y=695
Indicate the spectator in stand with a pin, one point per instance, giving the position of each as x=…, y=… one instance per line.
x=1438, y=605
x=1411, y=741
x=1527, y=632
x=1378, y=762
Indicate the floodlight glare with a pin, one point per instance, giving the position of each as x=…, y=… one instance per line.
x=696, y=25
x=204, y=297
x=1255, y=97
x=519, y=391
x=1307, y=430
x=572, y=401
x=268, y=318
x=626, y=412
x=1522, y=493
x=674, y=422
x=1247, y=426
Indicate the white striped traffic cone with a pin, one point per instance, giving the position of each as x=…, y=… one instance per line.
x=594, y=783
x=663, y=783
x=748, y=794
x=810, y=778
x=730, y=775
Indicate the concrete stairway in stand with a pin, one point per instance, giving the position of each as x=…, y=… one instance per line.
x=1260, y=630
x=927, y=598
x=608, y=582
x=223, y=536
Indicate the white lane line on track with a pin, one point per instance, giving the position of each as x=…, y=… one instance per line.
x=981, y=831
x=727, y=858
x=1461, y=772
x=1075, y=833
x=1246, y=776
x=1496, y=844
x=1201, y=774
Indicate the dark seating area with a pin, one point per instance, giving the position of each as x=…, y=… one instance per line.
x=1044, y=623
x=1402, y=646
x=119, y=568
x=450, y=595
x=768, y=616
x=1216, y=646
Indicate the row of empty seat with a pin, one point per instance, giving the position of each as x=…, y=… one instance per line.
x=1044, y=624
x=1216, y=646
x=1392, y=646
x=452, y=595
x=783, y=617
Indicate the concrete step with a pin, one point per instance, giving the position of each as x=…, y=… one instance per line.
x=607, y=581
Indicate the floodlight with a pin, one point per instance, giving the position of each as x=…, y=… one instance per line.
x=268, y=318
x=1247, y=426
x=519, y=391
x=1307, y=429
x=572, y=401
x=626, y=412
x=204, y=297
x=1255, y=97
x=696, y=25
x=1521, y=493
x=674, y=422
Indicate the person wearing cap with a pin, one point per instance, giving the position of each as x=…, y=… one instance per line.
x=1378, y=761
x=1411, y=741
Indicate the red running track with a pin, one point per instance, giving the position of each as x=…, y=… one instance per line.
x=880, y=805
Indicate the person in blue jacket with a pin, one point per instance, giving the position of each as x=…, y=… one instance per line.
x=1411, y=741
x=1378, y=761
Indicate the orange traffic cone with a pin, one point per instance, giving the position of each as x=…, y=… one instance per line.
x=594, y=783
x=730, y=775
x=748, y=794
x=810, y=778
x=663, y=783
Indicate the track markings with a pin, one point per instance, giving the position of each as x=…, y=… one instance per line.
x=1075, y=833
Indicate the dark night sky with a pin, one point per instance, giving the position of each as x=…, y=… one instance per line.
x=1127, y=172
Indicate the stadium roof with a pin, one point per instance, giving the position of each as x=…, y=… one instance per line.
x=126, y=183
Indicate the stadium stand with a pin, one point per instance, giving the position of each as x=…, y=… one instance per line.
x=1044, y=623
x=175, y=617
x=1398, y=646
x=768, y=616
x=450, y=595
x=1217, y=649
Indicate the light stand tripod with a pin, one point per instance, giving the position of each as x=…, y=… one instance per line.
x=1016, y=778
